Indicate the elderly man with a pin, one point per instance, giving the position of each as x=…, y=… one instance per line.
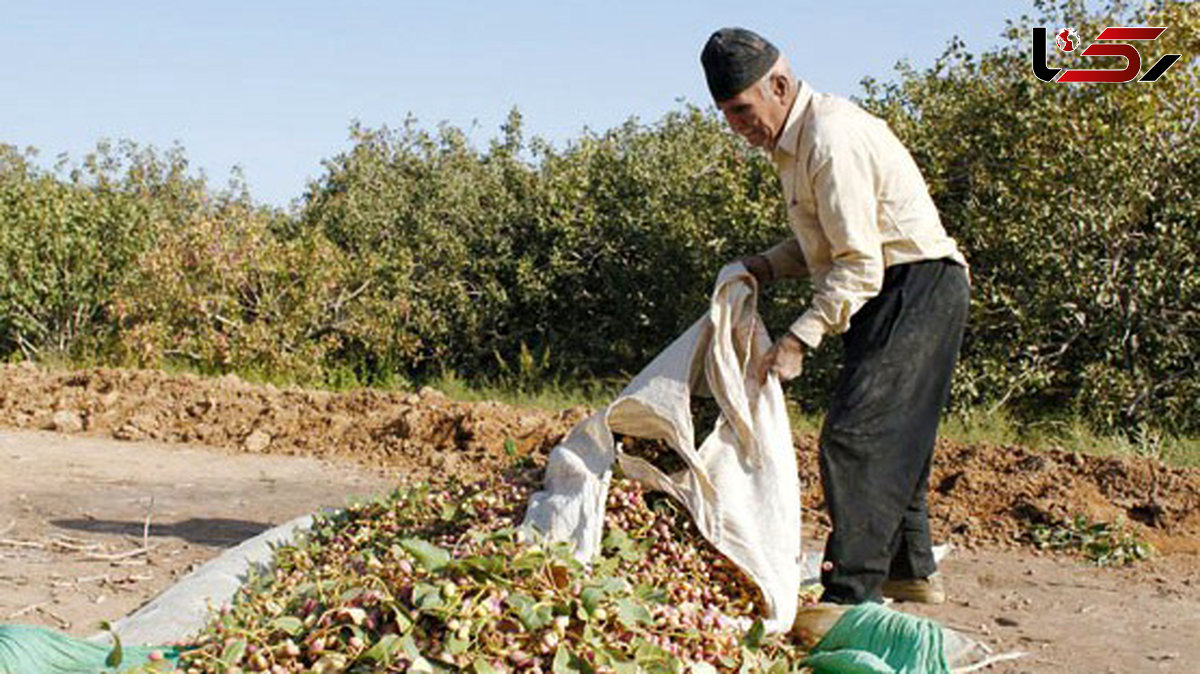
x=887, y=278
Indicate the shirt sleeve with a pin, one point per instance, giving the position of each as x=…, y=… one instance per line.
x=786, y=259
x=847, y=211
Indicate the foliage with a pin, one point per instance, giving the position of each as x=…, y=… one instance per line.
x=417, y=255
x=432, y=578
x=584, y=261
x=126, y=258
x=224, y=292
x=1103, y=543
x=65, y=244
x=1077, y=207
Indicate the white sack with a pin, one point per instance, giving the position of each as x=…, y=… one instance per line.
x=740, y=485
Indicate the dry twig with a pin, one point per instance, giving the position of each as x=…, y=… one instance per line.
x=89, y=547
x=103, y=578
x=63, y=623
x=22, y=544
x=28, y=609
x=70, y=539
x=95, y=556
x=146, y=526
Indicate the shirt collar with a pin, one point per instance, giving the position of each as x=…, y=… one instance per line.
x=795, y=120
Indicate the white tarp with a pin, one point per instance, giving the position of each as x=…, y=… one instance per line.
x=184, y=609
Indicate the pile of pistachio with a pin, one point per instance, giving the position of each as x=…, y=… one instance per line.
x=433, y=578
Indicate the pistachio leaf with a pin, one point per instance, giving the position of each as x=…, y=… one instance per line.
x=385, y=649
x=482, y=666
x=427, y=554
x=631, y=613
x=421, y=666
x=754, y=636
x=289, y=624
x=233, y=652
x=566, y=662
x=117, y=654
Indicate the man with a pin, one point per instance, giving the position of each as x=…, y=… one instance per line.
x=887, y=278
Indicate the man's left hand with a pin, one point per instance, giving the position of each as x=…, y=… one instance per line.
x=785, y=358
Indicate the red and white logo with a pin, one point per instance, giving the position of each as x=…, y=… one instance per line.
x=1112, y=41
x=1066, y=39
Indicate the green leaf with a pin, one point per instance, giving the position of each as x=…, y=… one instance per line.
x=330, y=663
x=536, y=617
x=750, y=663
x=421, y=666
x=426, y=596
x=233, y=652
x=611, y=585
x=117, y=654
x=754, y=636
x=482, y=666
x=454, y=645
x=566, y=662
x=631, y=613
x=409, y=645
x=532, y=615
x=510, y=447
x=404, y=621
x=492, y=565
x=607, y=565
x=529, y=559
x=651, y=658
x=289, y=624
x=427, y=554
x=504, y=535
x=357, y=614
x=626, y=667
x=519, y=601
x=619, y=543
x=591, y=598
x=385, y=649
x=562, y=661
x=651, y=594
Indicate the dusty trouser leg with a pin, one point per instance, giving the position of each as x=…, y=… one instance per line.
x=877, y=442
x=912, y=545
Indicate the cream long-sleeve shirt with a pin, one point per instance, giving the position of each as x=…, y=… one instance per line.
x=856, y=203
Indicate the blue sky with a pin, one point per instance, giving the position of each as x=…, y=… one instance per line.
x=273, y=86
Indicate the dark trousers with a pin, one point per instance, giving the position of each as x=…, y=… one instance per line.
x=878, y=437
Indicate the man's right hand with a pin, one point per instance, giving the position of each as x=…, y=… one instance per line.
x=760, y=267
x=785, y=358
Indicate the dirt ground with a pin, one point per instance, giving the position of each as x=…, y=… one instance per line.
x=212, y=461
x=92, y=528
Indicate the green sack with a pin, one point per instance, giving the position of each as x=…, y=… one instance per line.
x=873, y=639
x=25, y=649
x=847, y=662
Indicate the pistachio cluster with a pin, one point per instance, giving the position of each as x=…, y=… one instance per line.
x=434, y=578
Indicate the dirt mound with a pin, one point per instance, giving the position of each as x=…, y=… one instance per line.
x=980, y=494
x=994, y=495
x=414, y=433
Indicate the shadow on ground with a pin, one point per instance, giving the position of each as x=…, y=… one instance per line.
x=215, y=531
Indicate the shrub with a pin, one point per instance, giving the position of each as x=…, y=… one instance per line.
x=1076, y=206
x=417, y=254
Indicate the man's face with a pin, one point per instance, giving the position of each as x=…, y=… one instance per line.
x=755, y=116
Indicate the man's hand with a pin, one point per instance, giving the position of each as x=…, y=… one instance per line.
x=785, y=358
x=760, y=268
